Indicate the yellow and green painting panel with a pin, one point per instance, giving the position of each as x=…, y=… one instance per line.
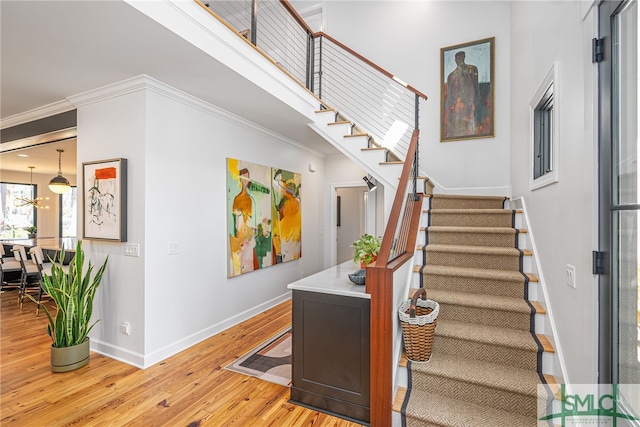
x=264, y=220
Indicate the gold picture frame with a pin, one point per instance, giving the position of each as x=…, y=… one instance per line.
x=467, y=81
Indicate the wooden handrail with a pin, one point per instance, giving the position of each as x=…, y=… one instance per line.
x=292, y=11
x=379, y=285
x=370, y=63
x=398, y=201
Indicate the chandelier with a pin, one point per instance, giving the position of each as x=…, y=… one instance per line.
x=32, y=202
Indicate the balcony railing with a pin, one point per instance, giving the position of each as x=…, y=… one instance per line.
x=377, y=101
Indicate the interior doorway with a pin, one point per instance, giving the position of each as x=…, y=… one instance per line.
x=354, y=215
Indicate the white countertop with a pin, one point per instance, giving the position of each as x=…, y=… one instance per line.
x=334, y=280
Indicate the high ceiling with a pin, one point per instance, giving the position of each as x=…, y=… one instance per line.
x=51, y=50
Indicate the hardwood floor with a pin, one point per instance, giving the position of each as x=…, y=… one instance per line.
x=188, y=389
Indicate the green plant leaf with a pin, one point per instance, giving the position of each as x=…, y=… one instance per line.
x=73, y=294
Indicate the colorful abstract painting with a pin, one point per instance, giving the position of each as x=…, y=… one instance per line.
x=286, y=216
x=105, y=199
x=263, y=216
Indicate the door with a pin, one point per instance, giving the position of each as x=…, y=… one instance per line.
x=350, y=220
x=619, y=308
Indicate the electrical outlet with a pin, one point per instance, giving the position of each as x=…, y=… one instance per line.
x=125, y=328
x=174, y=248
x=571, y=276
x=132, y=249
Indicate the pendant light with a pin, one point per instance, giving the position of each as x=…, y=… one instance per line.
x=33, y=202
x=59, y=184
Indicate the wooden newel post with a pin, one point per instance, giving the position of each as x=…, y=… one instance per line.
x=380, y=287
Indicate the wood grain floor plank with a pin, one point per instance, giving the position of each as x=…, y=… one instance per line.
x=191, y=388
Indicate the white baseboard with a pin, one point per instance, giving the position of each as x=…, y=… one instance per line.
x=118, y=353
x=144, y=361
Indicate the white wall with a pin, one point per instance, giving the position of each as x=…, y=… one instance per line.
x=563, y=215
x=191, y=146
x=113, y=127
x=176, y=148
x=405, y=38
x=47, y=219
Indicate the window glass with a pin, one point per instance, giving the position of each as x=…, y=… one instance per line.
x=68, y=213
x=16, y=215
x=543, y=135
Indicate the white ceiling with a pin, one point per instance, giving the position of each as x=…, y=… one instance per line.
x=51, y=50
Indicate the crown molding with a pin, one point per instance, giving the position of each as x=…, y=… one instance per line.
x=114, y=90
x=145, y=82
x=37, y=114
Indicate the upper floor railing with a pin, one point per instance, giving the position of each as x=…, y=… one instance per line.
x=378, y=102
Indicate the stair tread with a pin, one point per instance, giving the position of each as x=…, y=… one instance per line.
x=372, y=148
x=505, y=337
x=326, y=110
x=401, y=393
x=392, y=163
x=341, y=122
x=356, y=135
x=494, y=375
x=445, y=270
x=473, y=197
x=475, y=211
x=456, y=412
x=538, y=307
x=493, y=302
x=490, y=250
x=480, y=230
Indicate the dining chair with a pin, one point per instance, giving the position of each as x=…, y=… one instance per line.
x=29, y=277
x=8, y=264
x=44, y=269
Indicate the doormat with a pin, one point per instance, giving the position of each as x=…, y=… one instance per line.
x=270, y=361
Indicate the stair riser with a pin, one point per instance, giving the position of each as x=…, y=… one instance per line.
x=387, y=175
x=465, y=203
x=474, y=285
x=486, y=352
x=471, y=220
x=484, y=316
x=483, y=395
x=480, y=260
x=523, y=242
x=471, y=239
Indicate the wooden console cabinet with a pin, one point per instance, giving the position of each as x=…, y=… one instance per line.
x=331, y=351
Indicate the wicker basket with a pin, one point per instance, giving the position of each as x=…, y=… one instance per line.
x=418, y=319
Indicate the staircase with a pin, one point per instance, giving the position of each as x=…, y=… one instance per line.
x=487, y=357
x=359, y=146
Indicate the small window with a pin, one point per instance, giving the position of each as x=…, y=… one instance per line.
x=17, y=215
x=68, y=213
x=543, y=135
x=544, y=141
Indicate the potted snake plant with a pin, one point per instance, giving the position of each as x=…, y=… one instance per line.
x=72, y=293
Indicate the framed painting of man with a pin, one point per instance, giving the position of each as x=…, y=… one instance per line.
x=467, y=90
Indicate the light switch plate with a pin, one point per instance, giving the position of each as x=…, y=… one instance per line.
x=132, y=249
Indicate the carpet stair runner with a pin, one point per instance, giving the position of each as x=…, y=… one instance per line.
x=486, y=361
